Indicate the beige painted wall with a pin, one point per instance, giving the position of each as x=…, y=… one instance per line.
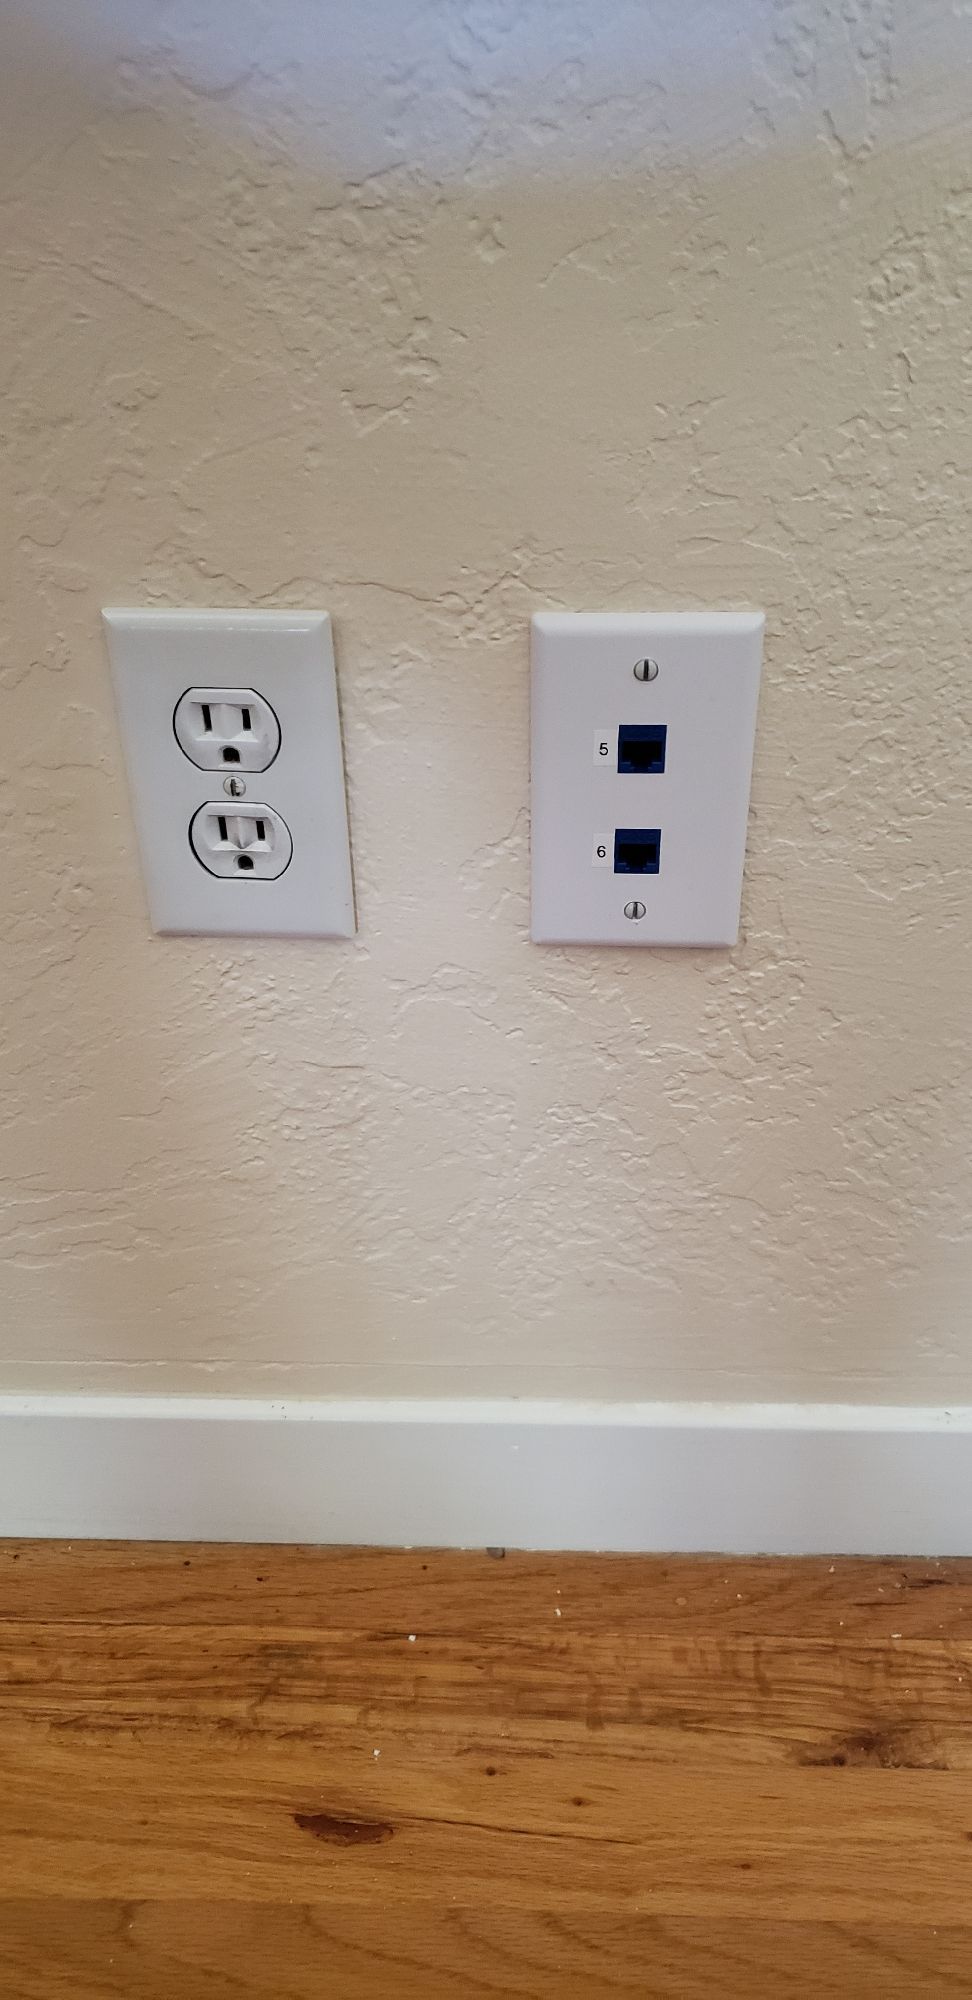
x=433, y=314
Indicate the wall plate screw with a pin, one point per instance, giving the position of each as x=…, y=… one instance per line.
x=234, y=788
x=634, y=909
x=646, y=670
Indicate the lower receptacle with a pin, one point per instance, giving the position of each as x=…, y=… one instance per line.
x=249, y=842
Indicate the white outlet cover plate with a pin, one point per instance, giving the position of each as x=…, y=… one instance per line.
x=288, y=657
x=584, y=689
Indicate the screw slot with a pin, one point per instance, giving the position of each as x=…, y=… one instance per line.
x=234, y=788
x=634, y=910
x=645, y=670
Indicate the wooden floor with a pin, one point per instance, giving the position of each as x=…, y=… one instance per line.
x=271, y=1774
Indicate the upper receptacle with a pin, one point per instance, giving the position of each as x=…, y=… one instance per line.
x=226, y=729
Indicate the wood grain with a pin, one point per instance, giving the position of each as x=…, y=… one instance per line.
x=213, y=1951
x=284, y=1772
x=474, y=1592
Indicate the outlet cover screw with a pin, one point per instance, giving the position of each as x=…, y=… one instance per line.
x=646, y=670
x=234, y=788
x=634, y=909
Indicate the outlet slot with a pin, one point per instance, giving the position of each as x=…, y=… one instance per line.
x=641, y=748
x=637, y=850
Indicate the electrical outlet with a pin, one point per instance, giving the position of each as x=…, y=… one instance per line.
x=241, y=840
x=215, y=706
x=226, y=729
x=669, y=703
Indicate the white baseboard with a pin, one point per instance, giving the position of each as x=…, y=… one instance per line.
x=786, y=1479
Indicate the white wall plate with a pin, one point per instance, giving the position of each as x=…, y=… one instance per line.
x=217, y=703
x=643, y=728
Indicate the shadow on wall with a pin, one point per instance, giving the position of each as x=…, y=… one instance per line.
x=434, y=316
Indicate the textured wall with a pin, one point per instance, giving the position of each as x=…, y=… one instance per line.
x=433, y=314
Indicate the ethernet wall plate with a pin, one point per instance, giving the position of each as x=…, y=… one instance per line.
x=643, y=727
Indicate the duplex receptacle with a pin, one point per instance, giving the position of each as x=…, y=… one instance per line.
x=207, y=700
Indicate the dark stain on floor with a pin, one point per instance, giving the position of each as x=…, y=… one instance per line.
x=344, y=1832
